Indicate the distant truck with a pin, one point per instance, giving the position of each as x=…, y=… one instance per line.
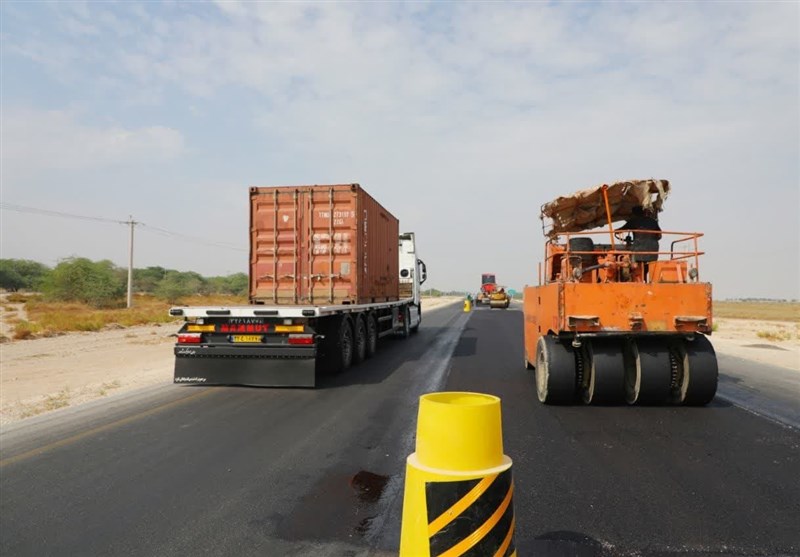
x=488, y=286
x=330, y=274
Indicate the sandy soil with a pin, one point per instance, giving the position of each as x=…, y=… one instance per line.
x=41, y=375
x=45, y=374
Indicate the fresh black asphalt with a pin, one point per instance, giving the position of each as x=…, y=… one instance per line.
x=244, y=471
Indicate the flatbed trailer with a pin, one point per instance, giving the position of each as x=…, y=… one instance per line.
x=281, y=346
x=330, y=275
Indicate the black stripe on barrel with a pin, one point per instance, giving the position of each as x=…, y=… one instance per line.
x=471, y=517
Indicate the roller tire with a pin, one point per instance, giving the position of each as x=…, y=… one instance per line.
x=604, y=381
x=555, y=372
x=648, y=372
x=700, y=373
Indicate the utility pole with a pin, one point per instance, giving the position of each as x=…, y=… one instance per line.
x=132, y=223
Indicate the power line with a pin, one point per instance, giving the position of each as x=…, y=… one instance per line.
x=186, y=237
x=131, y=222
x=34, y=210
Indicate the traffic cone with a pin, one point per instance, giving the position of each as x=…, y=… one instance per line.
x=458, y=496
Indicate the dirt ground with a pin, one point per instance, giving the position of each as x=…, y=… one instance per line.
x=41, y=375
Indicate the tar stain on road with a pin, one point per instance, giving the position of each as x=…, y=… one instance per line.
x=368, y=486
x=338, y=507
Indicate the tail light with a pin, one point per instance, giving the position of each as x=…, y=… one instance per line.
x=189, y=338
x=301, y=339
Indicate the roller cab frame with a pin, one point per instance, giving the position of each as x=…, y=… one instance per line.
x=615, y=318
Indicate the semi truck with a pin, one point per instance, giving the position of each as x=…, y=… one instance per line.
x=488, y=286
x=330, y=275
x=613, y=320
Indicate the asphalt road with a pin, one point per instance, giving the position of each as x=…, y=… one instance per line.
x=244, y=471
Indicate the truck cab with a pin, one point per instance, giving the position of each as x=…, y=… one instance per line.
x=413, y=273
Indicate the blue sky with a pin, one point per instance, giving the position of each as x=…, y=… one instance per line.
x=461, y=119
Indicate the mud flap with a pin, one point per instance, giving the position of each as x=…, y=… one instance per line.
x=255, y=372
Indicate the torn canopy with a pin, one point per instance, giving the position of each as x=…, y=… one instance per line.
x=585, y=209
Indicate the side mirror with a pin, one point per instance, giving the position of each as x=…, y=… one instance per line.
x=423, y=276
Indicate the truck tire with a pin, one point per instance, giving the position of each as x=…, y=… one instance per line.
x=359, y=340
x=372, y=335
x=405, y=329
x=415, y=328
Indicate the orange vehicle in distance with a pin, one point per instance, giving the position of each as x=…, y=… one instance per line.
x=488, y=287
x=610, y=321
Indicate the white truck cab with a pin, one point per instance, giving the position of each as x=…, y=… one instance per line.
x=412, y=274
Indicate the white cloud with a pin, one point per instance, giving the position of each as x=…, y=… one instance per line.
x=35, y=140
x=458, y=103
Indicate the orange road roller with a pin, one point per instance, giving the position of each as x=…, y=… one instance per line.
x=619, y=314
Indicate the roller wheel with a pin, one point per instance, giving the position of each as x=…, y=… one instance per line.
x=604, y=380
x=359, y=340
x=372, y=335
x=700, y=373
x=555, y=371
x=648, y=372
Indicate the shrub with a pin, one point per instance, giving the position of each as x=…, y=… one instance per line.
x=21, y=274
x=81, y=280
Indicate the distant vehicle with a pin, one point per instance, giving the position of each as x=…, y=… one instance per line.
x=499, y=299
x=488, y=285
x=329, y=275
x=612, y=322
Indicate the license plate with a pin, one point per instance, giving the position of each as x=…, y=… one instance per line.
x=246, y=338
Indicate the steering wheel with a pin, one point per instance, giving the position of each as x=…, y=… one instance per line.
x=627, y=239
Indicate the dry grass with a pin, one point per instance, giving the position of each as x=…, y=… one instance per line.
x=775, y=335
x=51, y=402
x=105, y=387
x=765, y=311
x=50, y=318
x=21, y=297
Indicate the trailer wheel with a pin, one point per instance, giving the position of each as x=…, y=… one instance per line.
x=359, y=340
x=339, y=353
x=372, y=336
x=555, y=371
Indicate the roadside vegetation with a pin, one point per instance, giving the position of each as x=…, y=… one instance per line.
x=761, y=310
x=83, y=295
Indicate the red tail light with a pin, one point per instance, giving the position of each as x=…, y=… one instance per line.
x=301, y=339
x=189, y=338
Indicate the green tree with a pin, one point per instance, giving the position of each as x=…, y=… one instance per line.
x=177, y=285
x=78, y=279
x=237, y=284
x=148, y=279
x=19, y=274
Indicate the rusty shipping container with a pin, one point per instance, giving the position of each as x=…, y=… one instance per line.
x=321, y=245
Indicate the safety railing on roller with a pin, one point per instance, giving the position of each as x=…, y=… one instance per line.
x=622, y=256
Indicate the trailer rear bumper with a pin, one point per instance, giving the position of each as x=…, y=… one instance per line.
x=256, y=367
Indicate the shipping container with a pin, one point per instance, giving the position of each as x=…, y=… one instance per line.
x=331, y=244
